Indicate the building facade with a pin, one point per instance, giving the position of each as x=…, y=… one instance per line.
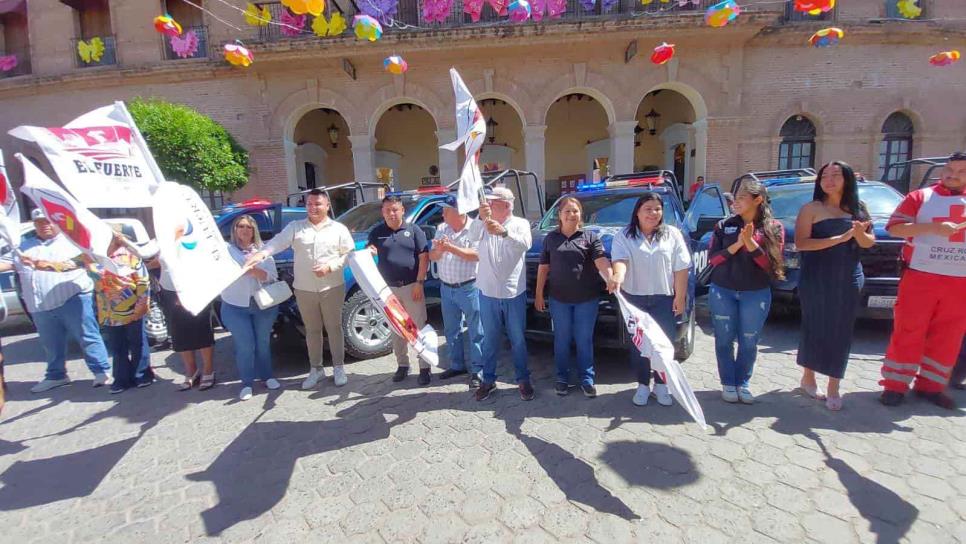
x=565, y=98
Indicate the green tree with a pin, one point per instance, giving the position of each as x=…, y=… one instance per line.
x=189, y=147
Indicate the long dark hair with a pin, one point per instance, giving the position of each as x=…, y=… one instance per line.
x=850, y=191
x=633, y=230
x=766, y=223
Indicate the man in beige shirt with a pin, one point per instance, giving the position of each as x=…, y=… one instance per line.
x=320, y=245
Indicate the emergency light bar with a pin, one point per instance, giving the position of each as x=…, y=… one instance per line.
x=619, y=184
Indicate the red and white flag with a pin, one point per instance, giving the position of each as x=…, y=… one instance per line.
x=470, y=133
x=9, y=210
x=650, y=339
x=425, y=341
x=89, y=233
x=100, y=157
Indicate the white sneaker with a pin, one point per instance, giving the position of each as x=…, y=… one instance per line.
x=47, y=385
x=315, y=374
x=643, y=393
x=662, y=395
x=272, y=384
x=729, y=393
x=745, y=396
x=245, y=393
x=338, y=374
x=101, y=379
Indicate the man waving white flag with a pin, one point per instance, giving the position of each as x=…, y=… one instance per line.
x=470, y=133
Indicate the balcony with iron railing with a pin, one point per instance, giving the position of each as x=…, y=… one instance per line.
x=794, y=16
x=96, y=51
x=193, y=43
x=409, y=14
x=14, y=62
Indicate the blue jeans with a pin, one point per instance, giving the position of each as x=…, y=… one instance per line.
x=574, y=323
x=504, y=316
x=251, y=332
x=462, y=305
x=737, y=315
x=74, y=319
x=661, y=309
x=127, y=344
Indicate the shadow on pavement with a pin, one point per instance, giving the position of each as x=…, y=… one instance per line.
x=253, y=473
x=889, y=515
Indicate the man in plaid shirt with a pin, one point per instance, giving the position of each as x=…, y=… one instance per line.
x=454, y=251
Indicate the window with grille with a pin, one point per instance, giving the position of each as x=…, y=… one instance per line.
x=895, y=147
x=797, y=148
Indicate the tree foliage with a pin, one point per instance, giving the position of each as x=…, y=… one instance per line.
x=189, y=147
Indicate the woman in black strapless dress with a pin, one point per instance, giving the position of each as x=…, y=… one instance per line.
x=829, y=233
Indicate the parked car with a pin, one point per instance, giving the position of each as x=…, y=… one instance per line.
x=607, y=209
x=789, y=191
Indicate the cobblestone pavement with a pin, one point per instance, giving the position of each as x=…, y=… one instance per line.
x=377, y=461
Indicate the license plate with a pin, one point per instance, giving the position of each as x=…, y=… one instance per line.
x=882, y=302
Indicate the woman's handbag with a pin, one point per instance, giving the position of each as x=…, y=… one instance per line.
x=272, y=294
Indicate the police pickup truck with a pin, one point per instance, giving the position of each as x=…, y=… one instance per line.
x=607, y=209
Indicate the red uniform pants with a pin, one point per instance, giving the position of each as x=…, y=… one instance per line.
x=930, y=319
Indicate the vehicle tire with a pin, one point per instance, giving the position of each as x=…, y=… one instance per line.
x=367, y=333
x=155, y=325
x=685, y=346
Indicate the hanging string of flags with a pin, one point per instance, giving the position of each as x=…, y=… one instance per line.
x=376, y=15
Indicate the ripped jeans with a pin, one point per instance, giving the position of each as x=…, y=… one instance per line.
x=737, y=315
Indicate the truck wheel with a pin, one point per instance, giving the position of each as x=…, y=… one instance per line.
x=367, y=333
x=685, y=346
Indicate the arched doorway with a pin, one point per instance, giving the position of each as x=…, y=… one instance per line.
x=577, y=143
x=665, y=137
x=406, y=151
x=503, y=148
x=323, y=155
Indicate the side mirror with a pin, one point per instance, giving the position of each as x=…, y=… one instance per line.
x=429, y=231
x=705, y=224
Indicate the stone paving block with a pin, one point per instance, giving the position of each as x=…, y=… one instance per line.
x=381, y=462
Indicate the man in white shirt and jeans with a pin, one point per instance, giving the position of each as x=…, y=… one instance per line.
x=504, y=241
x=59, y=295
x=321, y=245
x=454, y=251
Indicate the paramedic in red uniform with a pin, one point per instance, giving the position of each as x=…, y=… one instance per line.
x=930, y=316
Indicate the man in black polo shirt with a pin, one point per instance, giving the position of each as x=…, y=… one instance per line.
x=403, y=262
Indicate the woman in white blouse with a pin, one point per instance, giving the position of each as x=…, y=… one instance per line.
x=651, y=262
x=250, y=326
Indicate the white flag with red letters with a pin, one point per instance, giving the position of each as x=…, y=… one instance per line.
x=100, y=157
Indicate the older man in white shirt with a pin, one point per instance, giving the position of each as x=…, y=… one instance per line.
x=454, y=251
x=321, y=245
x=504, y=241
x=59, y=297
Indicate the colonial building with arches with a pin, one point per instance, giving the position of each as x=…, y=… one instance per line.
x=569, y=98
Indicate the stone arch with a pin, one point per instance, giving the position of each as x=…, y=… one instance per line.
x=509, y=100
x=391, y=95
x=292, y=108
x=812, y=114
x=564, y=85
x=697, y=101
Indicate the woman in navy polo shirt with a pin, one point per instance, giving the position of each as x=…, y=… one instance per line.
x=572, y=260
x=651, y=263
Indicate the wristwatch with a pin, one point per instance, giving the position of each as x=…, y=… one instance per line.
x=504, y=234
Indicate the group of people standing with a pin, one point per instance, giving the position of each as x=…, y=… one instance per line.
x=482, y=271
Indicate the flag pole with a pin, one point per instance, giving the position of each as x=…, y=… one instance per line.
x=141, y=142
